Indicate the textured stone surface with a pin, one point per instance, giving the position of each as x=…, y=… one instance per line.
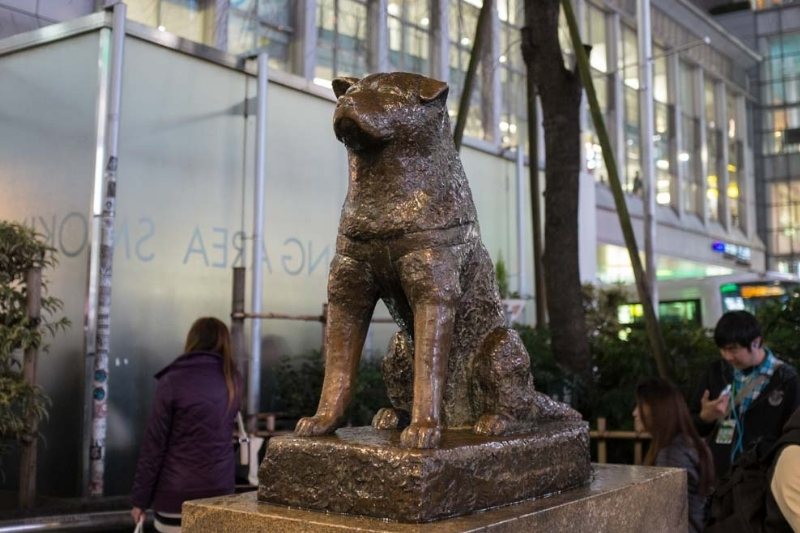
x=365, y=471
x=620, y=499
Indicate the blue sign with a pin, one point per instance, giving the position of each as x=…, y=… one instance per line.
x=742, y=254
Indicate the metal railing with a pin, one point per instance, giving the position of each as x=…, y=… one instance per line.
x=238, y=316
x=91, y=521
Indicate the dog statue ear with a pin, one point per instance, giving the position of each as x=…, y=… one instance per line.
x=340, y=85
x=433, y=90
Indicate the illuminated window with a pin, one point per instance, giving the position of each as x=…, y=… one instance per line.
x=184, y=18
x=689, y=155
x=628, y=63
x=408, y=24
x=783, y=225
x=463, y=21
x=664, y=130
x=513, y=95
x=262, y=24
x=596, y=35
x=714, y=150
x=341, y=38
x=780, y=93
x=565, y=40
x=668, y=311
x=735, y=192
x=757, y=5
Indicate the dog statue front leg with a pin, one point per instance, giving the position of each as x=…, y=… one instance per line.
x=430, y=280
x=352, y=297
x=433, y=334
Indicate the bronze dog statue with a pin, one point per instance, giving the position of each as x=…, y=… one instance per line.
x=409, y=235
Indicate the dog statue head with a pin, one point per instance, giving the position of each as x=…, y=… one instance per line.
x=373, y=111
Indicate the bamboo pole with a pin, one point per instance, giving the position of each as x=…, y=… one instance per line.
x=642, y=288
x=484, y=18
x=602, y=453
x=601, y=435
x=27, y=471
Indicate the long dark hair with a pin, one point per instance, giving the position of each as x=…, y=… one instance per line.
x=669, y=417
x=209, y=334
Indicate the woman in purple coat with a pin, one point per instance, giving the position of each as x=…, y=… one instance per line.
x=187, y=452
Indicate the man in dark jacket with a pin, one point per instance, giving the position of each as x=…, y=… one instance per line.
x=746, y=397
x=761, y=493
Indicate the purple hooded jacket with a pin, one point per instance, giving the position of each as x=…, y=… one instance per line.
x=187, y=452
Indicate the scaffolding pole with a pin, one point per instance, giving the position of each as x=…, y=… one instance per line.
x=254, y=367
x=646, y=141
x=97, y=448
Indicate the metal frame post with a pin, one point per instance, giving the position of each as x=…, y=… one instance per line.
x=97, y=449
x=237, y=318
x=520, y=168
x=254, y=368
x=646, y=144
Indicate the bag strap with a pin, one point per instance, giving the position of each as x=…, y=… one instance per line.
x=758, y=381
x=243, y=436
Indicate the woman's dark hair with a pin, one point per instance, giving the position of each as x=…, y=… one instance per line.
x=669, y=417
x=209, y=334
x=736, y=327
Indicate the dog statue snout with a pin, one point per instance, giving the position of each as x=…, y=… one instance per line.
x=345, y=128
x=350, y=132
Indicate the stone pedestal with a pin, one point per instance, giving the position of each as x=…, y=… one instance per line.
x=364, y=471
x=620, y=499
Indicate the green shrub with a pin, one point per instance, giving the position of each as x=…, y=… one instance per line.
x=619, y=364
x=620, y=359
x=22, y=406
x=780, y=322
x=501, y=274
x=299, y=382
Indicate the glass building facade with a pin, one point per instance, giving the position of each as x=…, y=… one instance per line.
x=779, y=132
x=701, y=143
x=435, y=38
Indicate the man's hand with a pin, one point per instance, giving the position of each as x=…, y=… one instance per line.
x=713, y=410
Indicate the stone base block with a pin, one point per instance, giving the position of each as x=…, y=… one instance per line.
x=364, y=471
x=620, y=499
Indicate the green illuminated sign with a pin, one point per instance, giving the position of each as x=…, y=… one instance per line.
x=729, y=287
